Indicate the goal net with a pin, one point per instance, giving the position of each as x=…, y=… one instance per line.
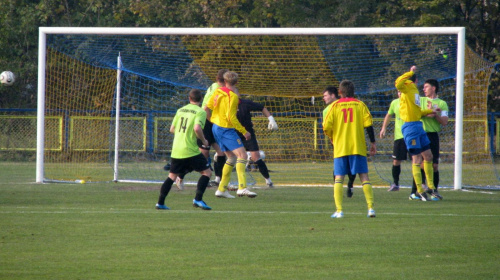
x=108, y=96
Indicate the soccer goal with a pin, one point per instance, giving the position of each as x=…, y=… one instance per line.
x=114, y=92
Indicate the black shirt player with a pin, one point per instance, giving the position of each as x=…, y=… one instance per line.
x=244, y=115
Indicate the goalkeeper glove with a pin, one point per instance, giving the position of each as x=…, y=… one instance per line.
x=272, y=124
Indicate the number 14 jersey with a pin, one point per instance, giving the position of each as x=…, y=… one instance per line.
x=184, y=145
x=344, y=124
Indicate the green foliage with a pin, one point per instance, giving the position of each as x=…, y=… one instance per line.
x=317, y=13
x=20, y=19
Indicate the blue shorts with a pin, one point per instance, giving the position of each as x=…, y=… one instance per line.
x=356, y=164
x=415, y=137
x=226, y=138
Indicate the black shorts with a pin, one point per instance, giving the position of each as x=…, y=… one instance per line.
x=399, y=151
x=434, y=138
x=250, y=145
x=209, y=135
x=185, y=165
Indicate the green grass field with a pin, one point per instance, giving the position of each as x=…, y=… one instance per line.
x=112, y=231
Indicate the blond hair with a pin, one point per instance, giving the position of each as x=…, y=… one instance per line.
x=231, y=78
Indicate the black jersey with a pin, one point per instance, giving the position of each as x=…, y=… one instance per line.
x=245, y=107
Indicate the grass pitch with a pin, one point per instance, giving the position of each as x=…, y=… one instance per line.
x=112, y=231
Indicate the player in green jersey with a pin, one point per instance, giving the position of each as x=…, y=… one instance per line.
x=188, y=126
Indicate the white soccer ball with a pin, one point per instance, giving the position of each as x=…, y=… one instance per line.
x=261, y=153
x=7, y=78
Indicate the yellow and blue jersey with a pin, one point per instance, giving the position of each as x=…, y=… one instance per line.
x=344, y=124
x=409, y=108
x=224, y=106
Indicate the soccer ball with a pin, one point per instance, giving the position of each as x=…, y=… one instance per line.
x=261, y=153
x=7, y=78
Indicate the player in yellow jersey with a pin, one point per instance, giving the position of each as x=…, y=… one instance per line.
x=432, y=126
x=416, y=139
x=344, y=124
x=331, y=94
x=222, y=108
x=220, y=156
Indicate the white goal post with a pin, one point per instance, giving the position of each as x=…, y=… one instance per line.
x=457, y=31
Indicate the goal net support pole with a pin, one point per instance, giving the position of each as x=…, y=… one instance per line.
x=117, y=118
x=459, y=114
x=40, y=133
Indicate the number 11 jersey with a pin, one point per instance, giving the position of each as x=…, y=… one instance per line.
x=344, y=124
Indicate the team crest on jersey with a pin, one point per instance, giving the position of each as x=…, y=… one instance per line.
x=216, y=97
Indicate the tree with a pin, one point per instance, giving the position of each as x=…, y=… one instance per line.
x=20, y=19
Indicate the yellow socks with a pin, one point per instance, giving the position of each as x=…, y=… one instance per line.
x=240, y=171
x=368, y=191
x=429, y=174
x=338, y=194
x=241, y=165
x=417, y=176
x=226, y=176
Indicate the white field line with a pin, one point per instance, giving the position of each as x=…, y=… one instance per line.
x=278, y=186
x=374, y=186
x=26, y=210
